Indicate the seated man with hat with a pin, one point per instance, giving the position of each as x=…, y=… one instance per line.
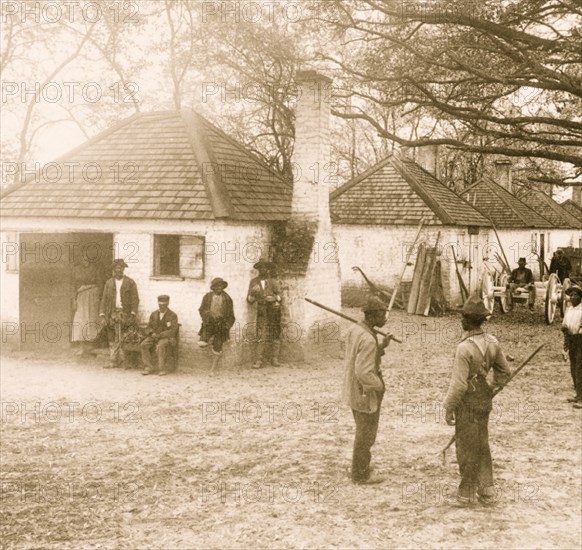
x=522, y=277
x=162, y=331
x=469, y=402
x=572, y=329
x=217, y=312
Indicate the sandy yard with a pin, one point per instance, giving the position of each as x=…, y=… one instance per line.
x=95, y=458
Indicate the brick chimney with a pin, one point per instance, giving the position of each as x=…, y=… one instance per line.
x=503, y=173
x=428, y=157
x=311, y=187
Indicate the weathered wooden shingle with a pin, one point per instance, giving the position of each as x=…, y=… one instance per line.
x=400, y=192
x=573, y=208
x=550, y=209
x=147, y=167
x=503, y=208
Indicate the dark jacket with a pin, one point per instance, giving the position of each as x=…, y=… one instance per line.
x=129, y=297
x=562, y=267
x=228, y=317
x=166, y=328
x=260, y=295
x=527, y=275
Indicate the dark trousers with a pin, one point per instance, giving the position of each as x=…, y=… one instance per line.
x=575, y=353
x=473, y=452
x=162, y=349
x=217, y=330
x=366, y=430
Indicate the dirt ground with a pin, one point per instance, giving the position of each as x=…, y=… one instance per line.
x=95, y=458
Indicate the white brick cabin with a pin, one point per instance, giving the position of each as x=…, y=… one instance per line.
x=376, y=216
x=169, y=192
x=182, y=203
x=520, y=228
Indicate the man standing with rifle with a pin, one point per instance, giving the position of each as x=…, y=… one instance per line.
x=469, y=402
x=363, y=387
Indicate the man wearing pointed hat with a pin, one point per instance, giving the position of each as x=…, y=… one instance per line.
x=217, y=313
x=522, y=277
x=264, y=292
x=363, y=386
x=162, y=331
x=469, y=402
x=572, y=329
x=118, y=309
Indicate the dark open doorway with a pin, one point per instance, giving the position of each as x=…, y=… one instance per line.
x=51, y=269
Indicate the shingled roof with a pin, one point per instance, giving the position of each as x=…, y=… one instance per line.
x=573, y=208
x=400, y=192
x=161, y=165
x=550, y=209
x=503, y=208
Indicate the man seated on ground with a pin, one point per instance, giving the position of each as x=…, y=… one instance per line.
x=162, y=331
x=522, y=277
x=560, y=265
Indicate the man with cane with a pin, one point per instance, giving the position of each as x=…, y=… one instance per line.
x=469, y=402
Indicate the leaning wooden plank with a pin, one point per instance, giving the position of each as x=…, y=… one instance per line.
x=416, y=278
x=424, y=291
x=431, y=280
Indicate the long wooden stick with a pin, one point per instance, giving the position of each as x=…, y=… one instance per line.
x=339, y=314
x=500, y=245
x=513, y=375
x=409, y=253
x=464, y=291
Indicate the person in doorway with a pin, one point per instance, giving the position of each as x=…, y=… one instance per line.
x=363, y=387
x=162, y=331
x=86, y=325
x=118, y=310
x=217, y=313
x=572, y=329
x=468, y=403
x=522, y=277
x=264, y=292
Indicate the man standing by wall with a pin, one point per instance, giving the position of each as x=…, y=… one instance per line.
x=118, y=309
x=469, y=402
x=363, y=387
x=264, y=291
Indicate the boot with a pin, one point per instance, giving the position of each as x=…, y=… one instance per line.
x=275, y=350
x=260, y=353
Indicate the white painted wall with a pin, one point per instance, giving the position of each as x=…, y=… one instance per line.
x=231, y=251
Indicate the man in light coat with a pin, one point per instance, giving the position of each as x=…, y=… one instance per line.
x=363, y=387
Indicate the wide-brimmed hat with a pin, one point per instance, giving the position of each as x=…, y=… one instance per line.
x=163, y=299
x=218, y=281
x=574, y=288
x=120, y=262
x=475, y=308
x=374, y=304
x=522, y=261
x=262, y=264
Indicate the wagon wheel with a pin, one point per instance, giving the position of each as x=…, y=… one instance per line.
x=504, y=300
x=487, y=291
x=552, y=296
x=564, y=298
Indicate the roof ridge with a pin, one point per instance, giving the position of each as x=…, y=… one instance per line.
x=354, y=181
x=91, y=141
x=242, y=148
x=562, y=212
